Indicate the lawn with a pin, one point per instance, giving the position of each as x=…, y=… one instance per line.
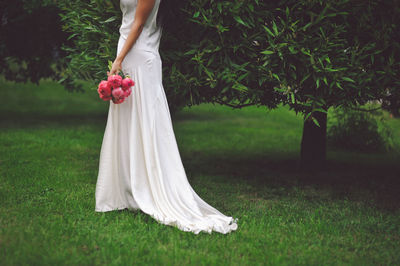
x=243, y=162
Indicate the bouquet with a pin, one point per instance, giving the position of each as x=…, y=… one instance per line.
x=115, y=88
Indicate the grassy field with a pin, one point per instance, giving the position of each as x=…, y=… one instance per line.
x=243, y=162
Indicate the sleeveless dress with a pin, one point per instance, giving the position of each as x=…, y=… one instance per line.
x=140, y=166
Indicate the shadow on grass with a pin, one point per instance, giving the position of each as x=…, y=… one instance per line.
x=346, y=178
x=360, y=181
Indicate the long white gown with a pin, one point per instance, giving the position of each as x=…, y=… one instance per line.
x=140, y=166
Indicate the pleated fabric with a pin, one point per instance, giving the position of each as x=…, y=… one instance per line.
x=140, y=165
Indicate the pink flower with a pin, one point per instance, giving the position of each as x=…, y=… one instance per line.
x=118, y=95
x=104, y=91
x=104, y=88
x=127, y=83
x=118, y=101
x=105, y=98
x=128, y=92
x=115, y=81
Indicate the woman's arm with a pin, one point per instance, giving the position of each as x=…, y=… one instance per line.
x=143, y=10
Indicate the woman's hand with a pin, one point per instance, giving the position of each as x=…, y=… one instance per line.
x=116, y=67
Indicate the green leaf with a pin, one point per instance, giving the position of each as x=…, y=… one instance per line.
x=320, y=110
x=196, y=14
x=239, y=87
x=331, y=69
x=292, y=50
x=328, y=60
x=239, y=19
x=267, y=52
x=72, y=36
x=304, y=79
x=276, y=76
x=268, y=31
x=251, y=7
x=348, y=79
x=304, y=51
x=315, y=121
x=219, y=6
x=110, y=20
x=190, y=52
x=307, y=116
x=243, y=76
x=279, y=89
x=306, y=26
x=275, y=28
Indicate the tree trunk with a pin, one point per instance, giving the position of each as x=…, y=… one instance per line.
x=313, y=143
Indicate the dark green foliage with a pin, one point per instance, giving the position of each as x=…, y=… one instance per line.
x=359, y=130
x=308, y=54
x=379, y=22
x=93, y=31
x=225, y=55
x=31, y=39
x=313, y=54
x=392, y=101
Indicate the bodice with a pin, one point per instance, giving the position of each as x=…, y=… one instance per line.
x=149, y=38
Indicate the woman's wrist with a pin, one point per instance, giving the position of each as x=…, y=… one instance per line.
x=119, y=59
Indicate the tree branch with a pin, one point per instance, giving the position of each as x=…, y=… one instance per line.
x=233, y=105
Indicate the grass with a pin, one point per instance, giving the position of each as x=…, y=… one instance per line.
x=243, y=162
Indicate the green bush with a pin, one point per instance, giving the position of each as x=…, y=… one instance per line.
x=359, y=130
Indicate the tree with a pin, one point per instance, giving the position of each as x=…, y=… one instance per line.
x=30, y=46
x=308, y=54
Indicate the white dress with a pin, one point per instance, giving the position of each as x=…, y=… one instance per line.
x=140, y=166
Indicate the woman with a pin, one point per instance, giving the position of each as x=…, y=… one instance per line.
x=140, y=166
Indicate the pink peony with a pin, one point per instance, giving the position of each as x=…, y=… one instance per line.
x=128, y=92
x=115, y=81
x=118, y=95
x=118, y=101
x=127, y=83
x=104, y=91
x=104, y=88
x=105, y=98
